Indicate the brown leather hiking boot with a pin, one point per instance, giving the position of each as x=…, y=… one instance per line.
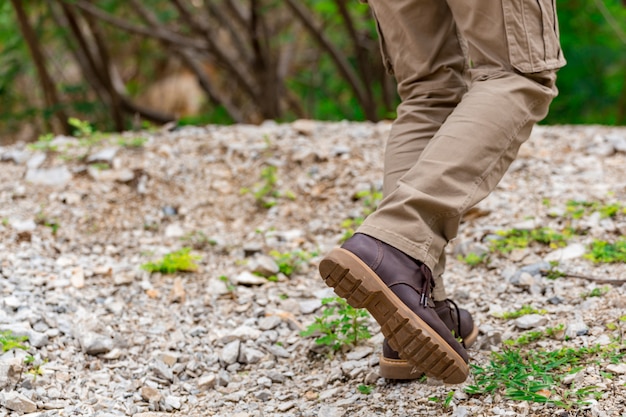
x=395, y=289
x=458, y=320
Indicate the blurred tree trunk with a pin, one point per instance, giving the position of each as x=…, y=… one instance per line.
x=246, y=55
x=48, y=86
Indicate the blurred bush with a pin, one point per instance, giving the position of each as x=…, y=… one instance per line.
x=129, y=64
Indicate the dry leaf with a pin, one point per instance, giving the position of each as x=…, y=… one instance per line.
x=546, y=393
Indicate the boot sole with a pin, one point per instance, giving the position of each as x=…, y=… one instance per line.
x=402, y=370
x=398, y=369
x=407, y=334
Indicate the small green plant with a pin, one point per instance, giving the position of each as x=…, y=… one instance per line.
x=87, y=135
x=364, y=389
x=526, y=309
x=44, y=143
x=9, y=341
x=33, y=366
x=181, y=260
x=349, y=226
x=446, y=401
x=578, y=209
x=553, y=272
x=525, y=339
x=534, y=335
x=289, y=262
x=472, y=259
x=370, y=199
x=550, y=237
x=340, y=324
x=229, y=285
x=82, y=128
x=537, y=375
x=100, y=166
x=266, y=193
x=611, y=210
x=596, y=292
x=135, y=142
x=512, y=239
x=198, y=240
x=43, y=219
x=605, y=252
x=556, y=331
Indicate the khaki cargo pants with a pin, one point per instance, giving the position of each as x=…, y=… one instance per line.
x=473, y=76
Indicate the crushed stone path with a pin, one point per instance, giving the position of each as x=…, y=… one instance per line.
x=108, y=338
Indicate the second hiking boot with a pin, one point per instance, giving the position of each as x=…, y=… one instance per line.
x=395, y=289
x=460, y=323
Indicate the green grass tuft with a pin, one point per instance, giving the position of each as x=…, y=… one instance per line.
x=179, y=261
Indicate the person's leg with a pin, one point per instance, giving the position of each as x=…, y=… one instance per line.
x=527, y=47
x=472, y=150
x=386, y=267
x=420, y=47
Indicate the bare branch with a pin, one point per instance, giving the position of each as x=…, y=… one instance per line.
x=236, y=13
x=98, y=59
x=47, y=84
x=262, y=65
x=205, y=83
x=124, y=102
x=157, y=33
x=589, y=278
x=361, y=59
x=338, y=58
x=234, y=67
x=148, y=114
x=233, y=31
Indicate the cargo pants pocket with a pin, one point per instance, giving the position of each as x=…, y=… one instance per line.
x=381, y=41
x=532, y=33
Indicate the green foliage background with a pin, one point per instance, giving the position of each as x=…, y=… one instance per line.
x=592, y=86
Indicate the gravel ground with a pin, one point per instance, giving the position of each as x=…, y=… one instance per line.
x=108, y=338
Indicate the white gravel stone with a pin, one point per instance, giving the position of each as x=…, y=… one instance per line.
x=10, y=372
x=94, y=343
x=310, y=306
x=270, y=322
x=207, y=381
x=330, y=411
x=248, y=355
x=530, y=321
x=23, y=225
x=174, y=230
x=230, y=352
x=103, y=155
x=54, y=177
x=576, y=329
x=17, y=402
x=265, y=265
x=250, y=279
x=569, y=252
x=619, y=368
